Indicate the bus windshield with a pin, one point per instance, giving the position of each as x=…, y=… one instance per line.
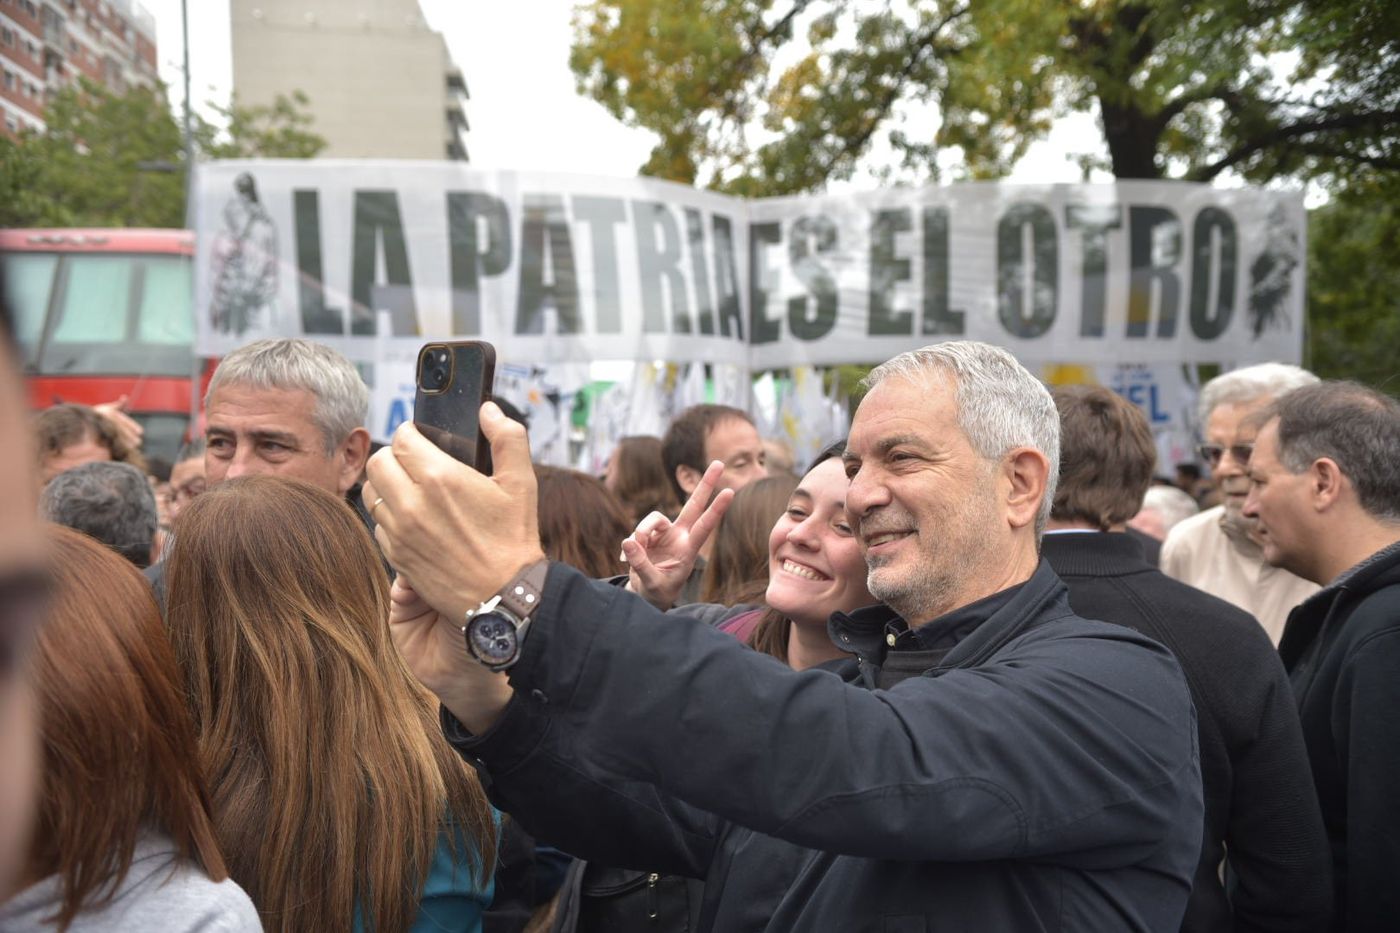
x=93, y=313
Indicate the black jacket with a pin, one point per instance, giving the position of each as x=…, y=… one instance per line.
x=1261, y=809
x=1042, y=776
x=1342, y=650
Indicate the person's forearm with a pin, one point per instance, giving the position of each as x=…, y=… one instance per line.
x=833, y=754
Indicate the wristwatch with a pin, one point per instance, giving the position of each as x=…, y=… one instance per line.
x=496, y=629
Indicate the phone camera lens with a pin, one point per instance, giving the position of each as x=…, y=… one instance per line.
x=435, y=369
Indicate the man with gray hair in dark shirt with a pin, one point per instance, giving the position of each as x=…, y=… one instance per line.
x=986, y=760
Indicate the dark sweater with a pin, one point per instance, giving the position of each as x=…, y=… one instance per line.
x=1342, y=649
x=1259, y=800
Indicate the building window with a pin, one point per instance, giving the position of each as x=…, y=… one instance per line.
x=9, y=81
x=6, y=36
x=11, y=124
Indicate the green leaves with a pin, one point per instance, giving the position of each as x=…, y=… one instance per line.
x=117, y=160
x=280, y=131
x=1354, y=284
x=782, y=96
x=766, y=97
x=104, y=160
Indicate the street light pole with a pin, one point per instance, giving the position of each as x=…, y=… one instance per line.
x=189, y=131
x=196, y=364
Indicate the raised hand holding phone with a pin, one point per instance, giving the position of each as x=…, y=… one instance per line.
x=456, y=536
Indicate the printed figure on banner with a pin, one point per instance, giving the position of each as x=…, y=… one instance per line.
x=243, y=263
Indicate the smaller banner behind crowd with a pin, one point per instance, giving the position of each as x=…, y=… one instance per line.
x=374, y=258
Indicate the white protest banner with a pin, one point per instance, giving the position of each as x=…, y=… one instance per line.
x=546, y=399
x=1147, y=272
x=805, y=416
x=376, y=257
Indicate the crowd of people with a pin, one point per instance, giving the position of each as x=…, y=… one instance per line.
x=976, y=666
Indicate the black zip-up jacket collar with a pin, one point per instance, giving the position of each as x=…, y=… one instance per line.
x=986, y=625
x=1342, y=650
x=1309, y=630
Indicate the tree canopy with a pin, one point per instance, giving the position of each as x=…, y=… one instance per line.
x=117, y=160
x=764, y=97
x=1354, y=284
x=781, y=96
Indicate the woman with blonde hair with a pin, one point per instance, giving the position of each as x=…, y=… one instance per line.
x=124, y=839
x=337, y=800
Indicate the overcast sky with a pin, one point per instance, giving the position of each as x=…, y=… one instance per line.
x=523, y=101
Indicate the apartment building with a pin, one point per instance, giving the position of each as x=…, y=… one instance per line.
x=381, y=84
x=46, y=44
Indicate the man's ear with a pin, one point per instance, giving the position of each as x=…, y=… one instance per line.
x=353, y=453
x=1326, y=483
x=1026, y=472
x=688, y=478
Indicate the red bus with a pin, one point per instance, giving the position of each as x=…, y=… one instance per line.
x=106, y=313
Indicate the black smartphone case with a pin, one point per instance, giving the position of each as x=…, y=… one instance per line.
x=450, y=418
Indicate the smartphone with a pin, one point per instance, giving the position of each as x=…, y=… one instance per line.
x=453, y=379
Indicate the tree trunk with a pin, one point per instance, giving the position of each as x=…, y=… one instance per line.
x=1132, y=138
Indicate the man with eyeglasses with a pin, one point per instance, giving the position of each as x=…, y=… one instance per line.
x=1218, y=550
x=186, y=477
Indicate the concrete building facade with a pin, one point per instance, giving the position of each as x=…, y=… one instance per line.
x=381, y=84
x=46, y=44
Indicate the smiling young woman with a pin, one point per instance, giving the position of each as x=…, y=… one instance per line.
x=815, y=568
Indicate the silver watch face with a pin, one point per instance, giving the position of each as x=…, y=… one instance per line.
x=492, y=638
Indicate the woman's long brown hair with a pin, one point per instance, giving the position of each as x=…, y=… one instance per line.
x=737, y=571
x=118, y=745
x=331, y=779
x=640, y=479
x=582, y=524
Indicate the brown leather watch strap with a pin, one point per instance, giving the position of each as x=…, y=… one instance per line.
x=523, y=593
